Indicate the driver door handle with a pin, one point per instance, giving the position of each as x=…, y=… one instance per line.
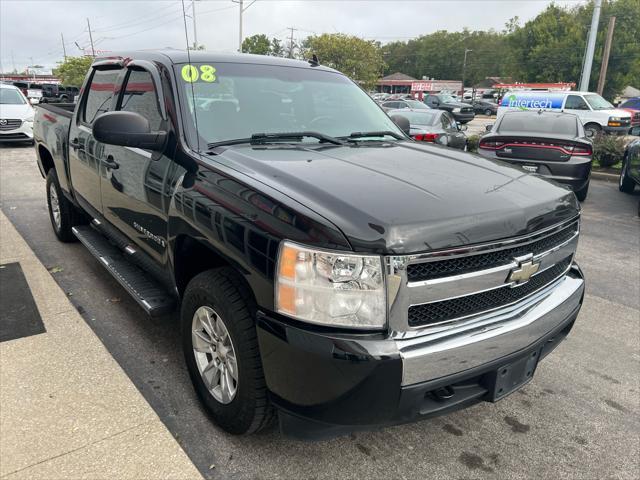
x=111, y=163
x=74, y=144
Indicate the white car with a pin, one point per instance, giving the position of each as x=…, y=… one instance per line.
x=16, y=116
x=596, y=114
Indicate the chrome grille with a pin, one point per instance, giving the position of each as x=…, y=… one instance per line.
x=437, y=312
x=9, y=124
x=456, y=266
x=433, y=291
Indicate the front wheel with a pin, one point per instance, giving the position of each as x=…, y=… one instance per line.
x=488, y=112
x=594, y=128
x=221, y=351
x=582, y=193
x=625, y=183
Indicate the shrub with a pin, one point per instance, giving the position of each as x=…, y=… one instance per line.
x=472, y=143
x=608, y=150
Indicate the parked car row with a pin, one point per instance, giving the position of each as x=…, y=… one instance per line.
x=46, y=92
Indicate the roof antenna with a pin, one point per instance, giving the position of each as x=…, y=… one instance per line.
x=314, y=62
x=193, y=93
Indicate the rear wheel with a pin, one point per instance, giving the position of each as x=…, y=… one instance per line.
x=582, y=193
x=63, y=214
x=625, y=183
x=221, y=351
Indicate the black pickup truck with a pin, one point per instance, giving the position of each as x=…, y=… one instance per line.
x=326, y=268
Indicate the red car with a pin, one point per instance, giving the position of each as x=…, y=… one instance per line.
x=633, y=107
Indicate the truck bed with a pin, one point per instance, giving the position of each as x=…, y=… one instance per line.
x=62, y=109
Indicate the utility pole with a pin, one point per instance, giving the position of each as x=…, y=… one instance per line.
x=241, y=10
x=464, y=70
x=64, y=49
x=291, y=41
x=195, y=31
x=13, y=62
x=591, y=46
x=93, y=51
x=605, y=55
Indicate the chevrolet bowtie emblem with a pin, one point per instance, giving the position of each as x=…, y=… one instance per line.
x=524, y=271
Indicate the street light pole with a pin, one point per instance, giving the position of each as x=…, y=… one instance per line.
x=464, y=69
x=195, y=32
x=591, y=46
x=241, y=10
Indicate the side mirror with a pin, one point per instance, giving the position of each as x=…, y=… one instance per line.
x=461, y=127
x=127, y=129
x=402, y=122
x=488, y=127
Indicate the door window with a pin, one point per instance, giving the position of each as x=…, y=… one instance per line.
x=448, y=122
x=100, y=94
x=574, y=102
x=140, y=97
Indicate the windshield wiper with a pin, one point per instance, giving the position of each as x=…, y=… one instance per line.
x=266, y=137
x=381, y=133
x=260, y=138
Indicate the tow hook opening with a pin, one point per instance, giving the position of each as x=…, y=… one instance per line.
x=443, y=393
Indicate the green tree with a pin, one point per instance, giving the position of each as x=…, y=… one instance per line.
x=257, y=44
x=277, y=50
x=73, y=70
x=359, y=59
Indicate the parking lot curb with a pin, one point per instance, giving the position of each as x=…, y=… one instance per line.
x=607, y=177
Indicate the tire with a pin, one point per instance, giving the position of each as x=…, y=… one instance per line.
x=594, y=127
x=625, y=184
x=582, y=193
x=68, y=216
x=220, y=295
x=488, y=112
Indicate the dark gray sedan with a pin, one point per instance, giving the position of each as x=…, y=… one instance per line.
x=551, y=144
x=436, y=126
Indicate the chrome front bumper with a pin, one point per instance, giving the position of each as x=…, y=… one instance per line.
x=491, y=336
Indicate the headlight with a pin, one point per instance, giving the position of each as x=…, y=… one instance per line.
x=330, y=288
x=456, y=110
x=615, y=119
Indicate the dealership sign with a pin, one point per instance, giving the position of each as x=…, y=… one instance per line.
x=536, y=101
x=435, y=86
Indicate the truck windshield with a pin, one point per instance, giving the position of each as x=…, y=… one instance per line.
x=228, y=101
x=9, y=96
x=597, y=102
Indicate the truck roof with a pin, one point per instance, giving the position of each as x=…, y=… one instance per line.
x=175, y=56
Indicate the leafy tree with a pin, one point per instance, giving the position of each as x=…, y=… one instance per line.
x=257, y=44
x=277, y=50
x=359, y=59
x=73, y=70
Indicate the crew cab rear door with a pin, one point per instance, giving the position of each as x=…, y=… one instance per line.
x=85, y=153
x=136, y=183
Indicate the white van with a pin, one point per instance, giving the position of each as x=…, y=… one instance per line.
x=594, y=111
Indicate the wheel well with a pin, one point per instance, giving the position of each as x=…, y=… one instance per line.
x=593, y=124
x=45, y=158
x=191, y=258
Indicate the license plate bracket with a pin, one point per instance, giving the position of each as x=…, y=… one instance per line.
x=512, y=376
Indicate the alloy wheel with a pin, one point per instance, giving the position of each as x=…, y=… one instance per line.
x=55, y=206
x=215, y=355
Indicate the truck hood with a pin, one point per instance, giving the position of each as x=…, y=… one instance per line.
x=615, y=112
x=404, y=197
x=20, y=112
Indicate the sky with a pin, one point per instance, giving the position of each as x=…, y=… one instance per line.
x=30, y=31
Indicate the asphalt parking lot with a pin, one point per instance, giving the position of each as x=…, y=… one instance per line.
x=578, y=418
